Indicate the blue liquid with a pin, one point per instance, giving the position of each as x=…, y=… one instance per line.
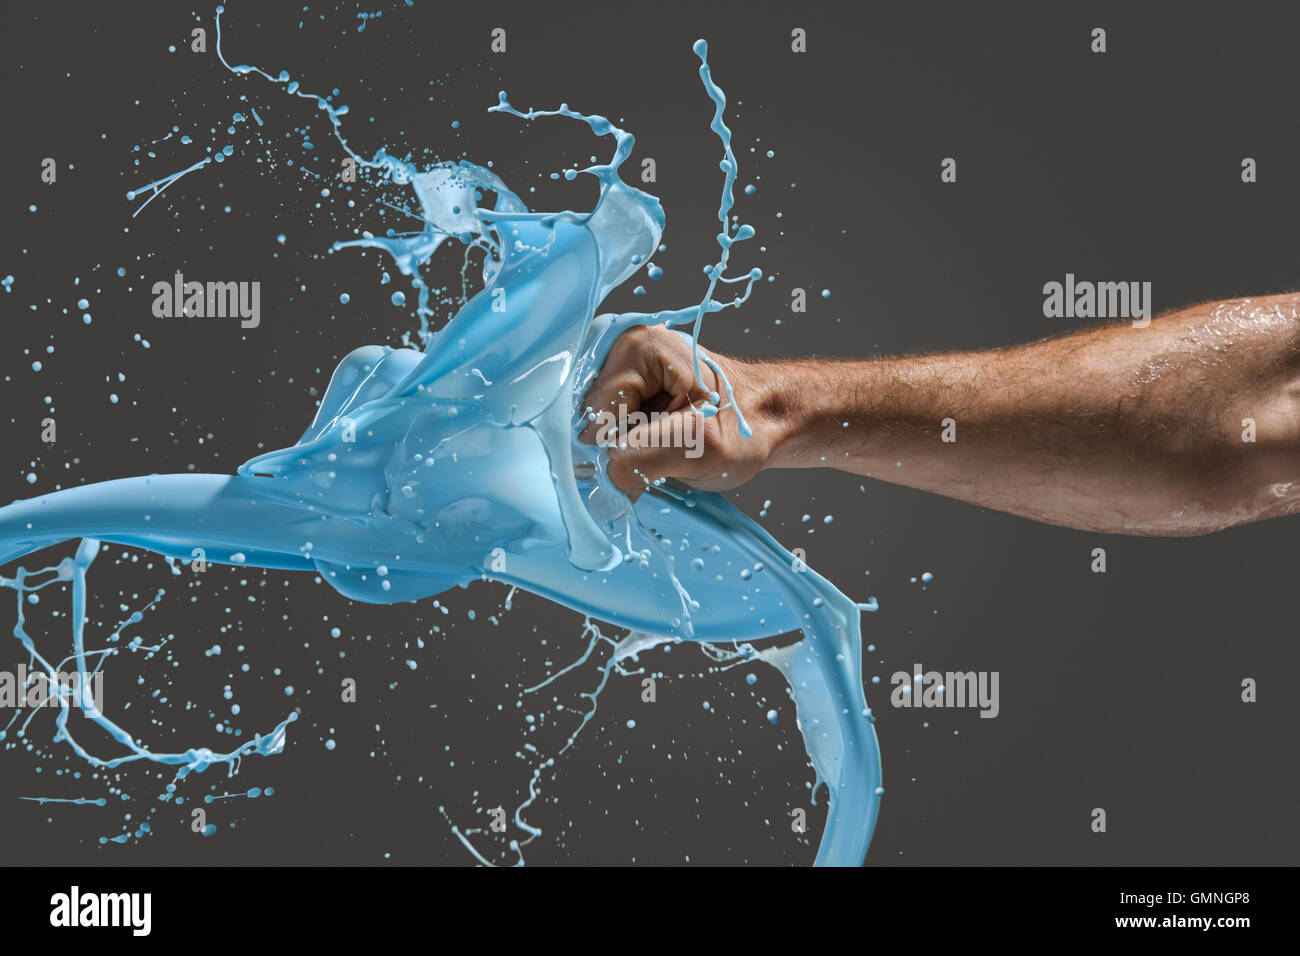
x=427, y=469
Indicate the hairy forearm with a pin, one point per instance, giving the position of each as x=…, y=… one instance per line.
x=1114, y=428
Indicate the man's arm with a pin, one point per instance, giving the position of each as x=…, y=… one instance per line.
x=1113, y=428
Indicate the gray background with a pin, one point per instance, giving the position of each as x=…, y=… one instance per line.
x=1118, y=690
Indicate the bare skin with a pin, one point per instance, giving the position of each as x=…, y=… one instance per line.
x=1113, y=428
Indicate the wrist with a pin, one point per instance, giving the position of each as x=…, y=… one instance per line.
x=782, y=414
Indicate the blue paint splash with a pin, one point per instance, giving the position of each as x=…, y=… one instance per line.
x=430, y=468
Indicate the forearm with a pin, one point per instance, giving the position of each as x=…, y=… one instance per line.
x=1115, y=428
